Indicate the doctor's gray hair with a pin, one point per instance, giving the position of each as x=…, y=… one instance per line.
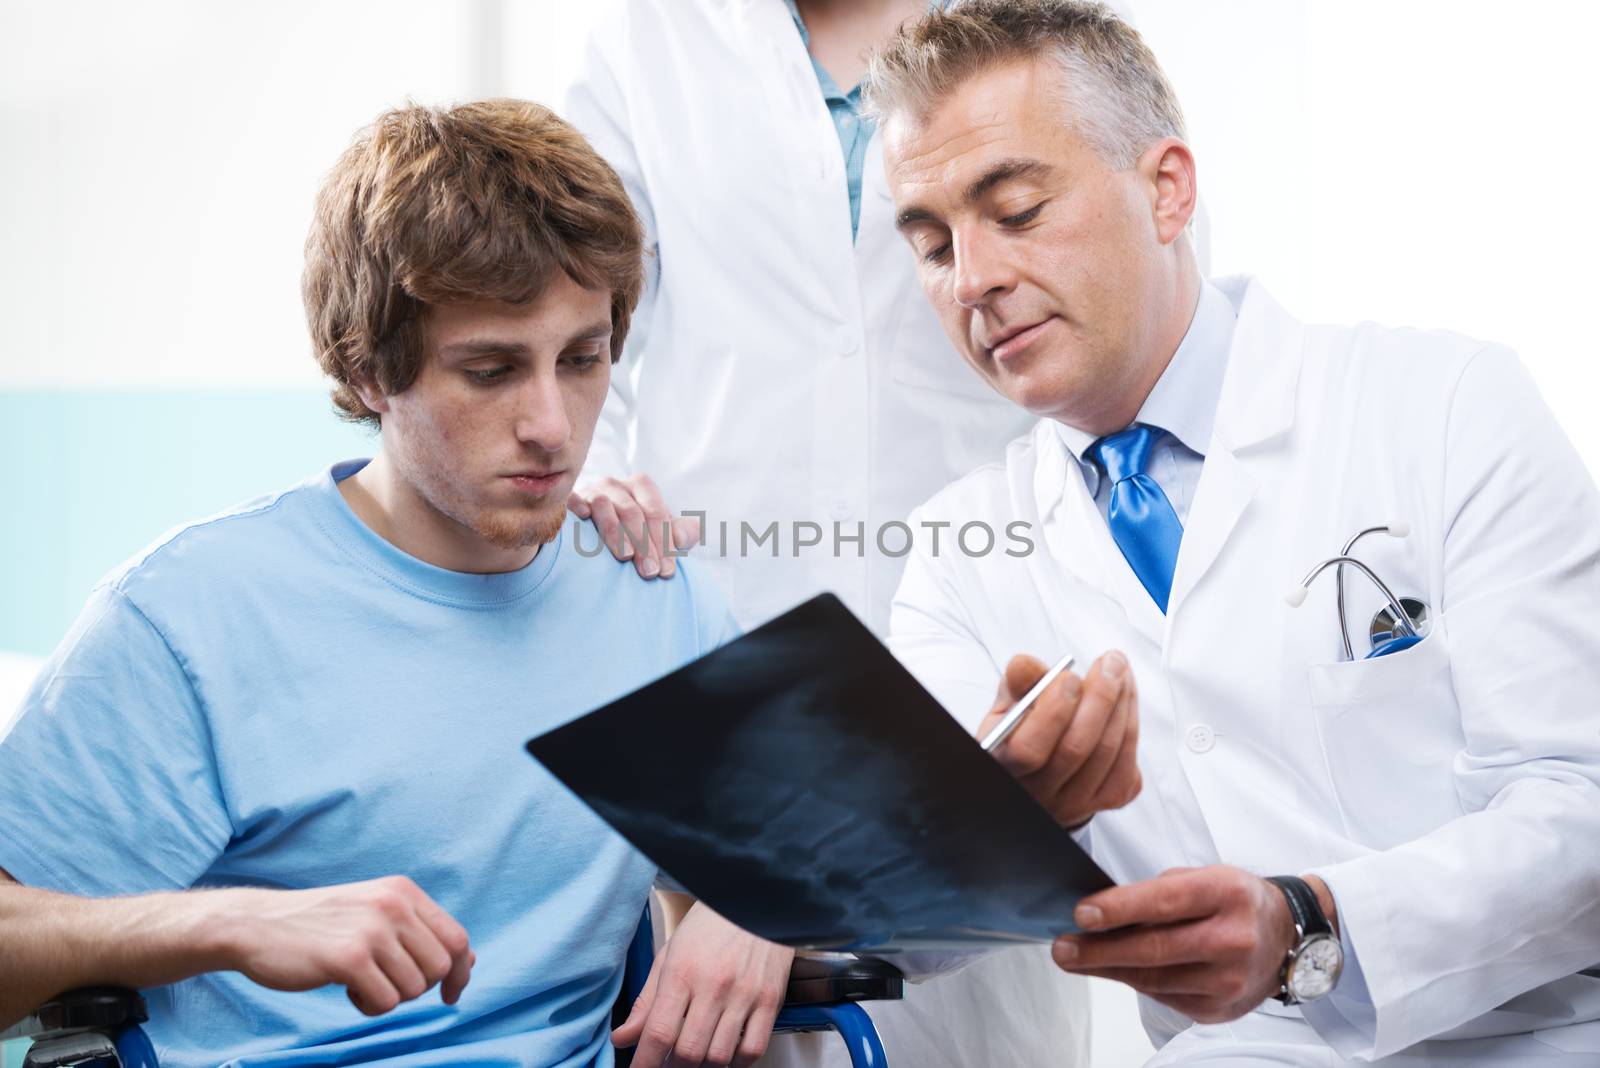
x=1117, y=97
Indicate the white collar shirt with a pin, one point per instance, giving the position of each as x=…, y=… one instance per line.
x=1183, y=403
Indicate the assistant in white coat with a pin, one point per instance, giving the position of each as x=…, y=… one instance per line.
x=779, y=372
x=776, y=371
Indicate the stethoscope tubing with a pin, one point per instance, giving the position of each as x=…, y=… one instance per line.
x=1403, y=619
x=1338, y=585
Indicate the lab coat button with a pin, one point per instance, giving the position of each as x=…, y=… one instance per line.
x=1200, y=738
x=846, y=341
x=841, y=509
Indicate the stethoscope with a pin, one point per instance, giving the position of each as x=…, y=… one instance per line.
x=1400, y=625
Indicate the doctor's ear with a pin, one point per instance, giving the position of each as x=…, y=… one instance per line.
x=1168, y=167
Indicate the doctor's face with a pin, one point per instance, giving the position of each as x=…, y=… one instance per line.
x=1054, y=275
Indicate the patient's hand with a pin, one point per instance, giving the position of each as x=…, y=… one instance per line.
x=711, y=998
x=384, y=940
x=635, y=523
x=1076, y=751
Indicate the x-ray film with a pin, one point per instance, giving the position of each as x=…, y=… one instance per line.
x=801, y=783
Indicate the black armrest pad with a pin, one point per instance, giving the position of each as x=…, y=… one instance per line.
x=834, y=977
x=90, y=1008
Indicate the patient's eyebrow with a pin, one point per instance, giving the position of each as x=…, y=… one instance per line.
x=593, y=332
x=1006, y=170
x=464, y=350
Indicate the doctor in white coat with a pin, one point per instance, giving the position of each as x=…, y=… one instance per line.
x=783, y=368
x=1198, y=451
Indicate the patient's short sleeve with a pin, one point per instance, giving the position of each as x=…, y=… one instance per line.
x=107, y=780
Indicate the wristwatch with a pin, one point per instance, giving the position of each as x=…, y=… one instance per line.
x=1312, y=966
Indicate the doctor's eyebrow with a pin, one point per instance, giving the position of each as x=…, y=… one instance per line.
x=1006, y=170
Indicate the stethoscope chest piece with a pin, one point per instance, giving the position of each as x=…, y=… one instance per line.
x=1387, y=636
x=1385, y=628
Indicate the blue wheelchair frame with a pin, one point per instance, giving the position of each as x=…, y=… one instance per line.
x=836, y=1007
x=93, y=1026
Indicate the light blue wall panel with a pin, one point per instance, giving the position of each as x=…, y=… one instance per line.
x=87, y=479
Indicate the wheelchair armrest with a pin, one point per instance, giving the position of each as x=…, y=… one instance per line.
x=835, y=977
x=90, y=1008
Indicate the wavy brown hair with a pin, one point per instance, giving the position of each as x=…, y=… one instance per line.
x=482, y=201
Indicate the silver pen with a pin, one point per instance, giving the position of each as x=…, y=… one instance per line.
x=1015, y=714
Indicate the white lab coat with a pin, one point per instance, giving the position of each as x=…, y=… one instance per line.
x=778, y=372
x=1447, y=793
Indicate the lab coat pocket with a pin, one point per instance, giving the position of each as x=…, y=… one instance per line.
x=1359, y=682
x=1390, y=729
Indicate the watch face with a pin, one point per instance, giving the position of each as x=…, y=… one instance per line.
x=1316, y=967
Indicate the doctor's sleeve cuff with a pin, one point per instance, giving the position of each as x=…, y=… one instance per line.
x=1346, y=1019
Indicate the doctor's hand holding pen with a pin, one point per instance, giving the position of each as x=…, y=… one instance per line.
x=1075, y=748
x=635, y=523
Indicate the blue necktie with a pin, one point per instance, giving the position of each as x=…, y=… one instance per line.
x=1141, y=519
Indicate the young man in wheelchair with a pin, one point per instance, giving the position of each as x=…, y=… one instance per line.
x=274, y=775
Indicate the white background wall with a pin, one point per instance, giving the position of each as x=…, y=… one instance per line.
x=1410, y=161
x=162, y=157
x=1418, y=163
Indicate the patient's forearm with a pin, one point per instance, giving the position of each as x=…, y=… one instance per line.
x=50, y=943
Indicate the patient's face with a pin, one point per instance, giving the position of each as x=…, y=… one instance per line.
x=1043, y=263
x=489, y=438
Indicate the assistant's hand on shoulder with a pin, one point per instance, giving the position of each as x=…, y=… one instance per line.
x=635, y=523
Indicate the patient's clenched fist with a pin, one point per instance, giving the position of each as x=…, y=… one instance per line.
x=1076, y=751
x=384, y=941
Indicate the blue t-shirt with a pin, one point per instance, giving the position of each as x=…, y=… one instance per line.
x=277, y=697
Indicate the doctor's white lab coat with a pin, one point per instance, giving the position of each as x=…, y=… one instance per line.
x=777, y=372
x=1450, y=793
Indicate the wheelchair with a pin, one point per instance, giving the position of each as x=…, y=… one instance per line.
x=98, y=1027
x=824, y=994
